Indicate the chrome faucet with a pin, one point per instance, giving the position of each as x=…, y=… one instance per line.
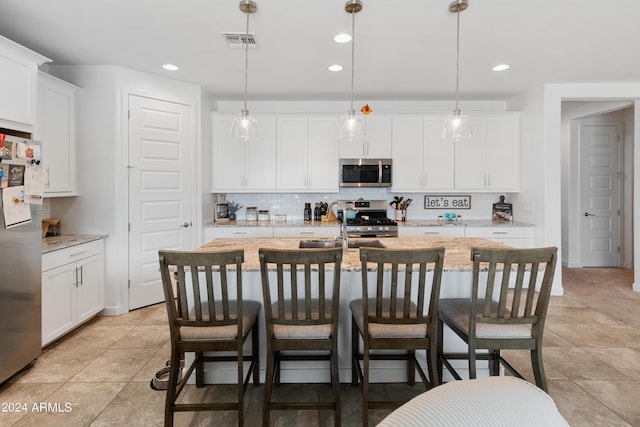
x=343, y=224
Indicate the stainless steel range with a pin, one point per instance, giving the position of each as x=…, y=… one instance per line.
x=371, y=219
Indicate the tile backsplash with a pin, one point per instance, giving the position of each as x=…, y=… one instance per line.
x=292, y=204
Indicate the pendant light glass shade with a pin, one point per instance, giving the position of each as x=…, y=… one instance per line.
x=351, y=126
x=245, y=126
x=457, y=126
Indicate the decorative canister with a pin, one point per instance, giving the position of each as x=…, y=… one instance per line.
x=263, y=215
x=252, y=214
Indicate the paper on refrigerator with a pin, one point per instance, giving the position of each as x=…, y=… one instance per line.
x=16, y=211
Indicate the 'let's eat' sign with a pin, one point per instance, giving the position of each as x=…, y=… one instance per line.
x=447, y=202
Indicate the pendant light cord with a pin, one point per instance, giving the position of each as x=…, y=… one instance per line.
x=246, y=61
x=457, y=57
x=353, y=52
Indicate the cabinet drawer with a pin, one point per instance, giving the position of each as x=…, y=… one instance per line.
x=71, y=254
x=435, y=231
x=306, y=232
x=501, y=232
x=226, y=232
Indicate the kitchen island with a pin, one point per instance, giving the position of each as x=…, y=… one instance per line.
x=456, y=281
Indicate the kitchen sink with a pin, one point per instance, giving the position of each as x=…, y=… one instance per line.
x=353, y=244
x=306, y=244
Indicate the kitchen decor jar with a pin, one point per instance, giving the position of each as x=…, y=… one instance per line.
x=263, y=215
x=252, y=213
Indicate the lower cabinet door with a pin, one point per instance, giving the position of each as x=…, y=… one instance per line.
x=90, y=299
x=58, y=302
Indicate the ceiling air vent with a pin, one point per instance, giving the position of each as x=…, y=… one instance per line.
x=240, y=40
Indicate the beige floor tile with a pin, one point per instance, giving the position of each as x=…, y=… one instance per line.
x=621, y=396
x=136, y=405
x=626, y=360
x=577, y=364
x=79, y=404
x=521, y=361
x=59, y=366
x=94, y=335
x=144, y=336
x=157, y=362
x=578, y=315
x=579, y=408
x=114, y=366
x=18, y=399
x=587, y=335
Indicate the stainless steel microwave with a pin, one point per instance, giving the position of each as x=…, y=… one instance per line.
x=365, y=172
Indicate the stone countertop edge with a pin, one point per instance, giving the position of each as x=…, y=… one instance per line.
x=294, y=223
x=457, y=249
x=63, y=241
x=408, y=223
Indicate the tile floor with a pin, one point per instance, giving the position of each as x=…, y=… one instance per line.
x=99, y=375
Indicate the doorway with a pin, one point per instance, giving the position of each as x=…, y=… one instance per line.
x=597, y=184
x=160, y=194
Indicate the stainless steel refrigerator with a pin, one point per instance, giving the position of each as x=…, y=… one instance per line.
x=20, y=289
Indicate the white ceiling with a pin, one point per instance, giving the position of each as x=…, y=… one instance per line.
x=404, y=49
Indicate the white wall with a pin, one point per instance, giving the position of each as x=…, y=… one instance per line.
x=102, y=140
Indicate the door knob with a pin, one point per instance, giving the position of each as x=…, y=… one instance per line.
x=186, y=224
x=588, y=214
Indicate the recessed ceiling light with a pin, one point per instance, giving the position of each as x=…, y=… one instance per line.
x=342, y=38
x=170, y=67
x=335, y=67
x=501, y=67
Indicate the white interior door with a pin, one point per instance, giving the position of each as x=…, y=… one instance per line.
x=599, y=214
x=160, y=214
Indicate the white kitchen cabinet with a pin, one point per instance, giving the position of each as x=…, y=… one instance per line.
x=57, y=131
x=518, y=237
x=18, y=82
x=237, y=232
x=489, y=160
x=72, y=288
x=244, y=166
x=307, y=232
x=307, y=154
x=376, y=143
x=407, y=153
x=424, y=161
x=431, y=231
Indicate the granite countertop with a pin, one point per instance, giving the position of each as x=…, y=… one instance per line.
x=408, y=223
x=464, y=223
x=457, y=250
x=288, y=223
x=55, y=243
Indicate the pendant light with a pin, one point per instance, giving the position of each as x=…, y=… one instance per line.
x=351, y=126
x=457, y=125
x=245, y=126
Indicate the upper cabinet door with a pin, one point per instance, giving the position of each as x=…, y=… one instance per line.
x=470, y=158
x=18, y=82
x=503, y=155
x=376, y=142
x=439, y=164
x=292, y=146
x=323, y=168
x=57, y=131
x=408, y=151
x=228, y=157
x=260, y=157
x=244, y=166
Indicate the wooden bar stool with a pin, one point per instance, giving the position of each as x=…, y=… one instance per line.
x=302, y=317
x=204, y=318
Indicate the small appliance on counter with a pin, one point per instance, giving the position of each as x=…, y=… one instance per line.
x=502, y=212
